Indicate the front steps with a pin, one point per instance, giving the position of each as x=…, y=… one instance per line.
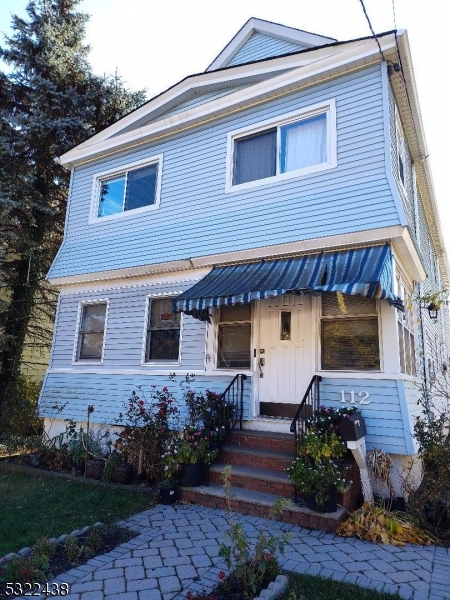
x=258, y=460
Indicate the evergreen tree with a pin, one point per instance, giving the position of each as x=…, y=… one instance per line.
x=49, y=102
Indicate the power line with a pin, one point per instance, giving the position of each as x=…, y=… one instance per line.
x=393, y=14
x=371, y=29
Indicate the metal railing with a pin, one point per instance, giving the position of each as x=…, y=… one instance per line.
x=309, y=404
x=234, y=398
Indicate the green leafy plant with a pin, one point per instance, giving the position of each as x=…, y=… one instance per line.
x=252, y=566
x=316, y=479
x=194, y=446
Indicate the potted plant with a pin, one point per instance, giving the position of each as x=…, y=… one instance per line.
x=171, y=467
x=194, y=455
x=315, y=471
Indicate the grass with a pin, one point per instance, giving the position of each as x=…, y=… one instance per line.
x=32, y=507
x=308, y=587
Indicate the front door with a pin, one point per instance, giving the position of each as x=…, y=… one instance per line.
x=286, y=354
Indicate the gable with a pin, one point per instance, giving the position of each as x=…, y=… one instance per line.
x=260, y=47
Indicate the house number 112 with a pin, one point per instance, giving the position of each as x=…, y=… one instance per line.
x=363, y=395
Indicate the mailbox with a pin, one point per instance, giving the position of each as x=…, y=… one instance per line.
x=352, y=428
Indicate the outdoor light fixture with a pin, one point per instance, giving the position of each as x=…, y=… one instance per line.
x=432, y=309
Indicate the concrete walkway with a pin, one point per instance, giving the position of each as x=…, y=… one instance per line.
x=177, y=551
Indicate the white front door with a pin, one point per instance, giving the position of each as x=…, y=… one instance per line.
x=286, y=352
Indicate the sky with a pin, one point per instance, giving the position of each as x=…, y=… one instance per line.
x=154, y=44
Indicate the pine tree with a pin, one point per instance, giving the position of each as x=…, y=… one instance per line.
x=49, y=102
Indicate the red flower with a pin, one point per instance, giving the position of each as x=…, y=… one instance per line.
x=165, y=389
x=222, y=575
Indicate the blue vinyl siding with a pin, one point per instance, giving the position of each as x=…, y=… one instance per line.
x=260, y=46
x=387, y=419
x=108, y=393
x=125, y=329
x=197, y=218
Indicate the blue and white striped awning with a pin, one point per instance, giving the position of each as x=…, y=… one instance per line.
x=362, y=272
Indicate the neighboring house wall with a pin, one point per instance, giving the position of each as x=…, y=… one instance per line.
x=196, y=217
x=260, y=46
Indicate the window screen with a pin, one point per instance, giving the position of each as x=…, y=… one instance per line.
x=234, y=337
x=255, y=157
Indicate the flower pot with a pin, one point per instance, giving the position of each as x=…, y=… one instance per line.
x=330, y=504
x=120, y=474
x=167, y=495
x=192, y=475
x=94, y=469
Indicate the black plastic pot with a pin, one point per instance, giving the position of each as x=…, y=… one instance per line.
x=192, y=475
x=167, y=495
x=330, y=504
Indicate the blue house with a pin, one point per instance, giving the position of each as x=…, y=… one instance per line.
x=272, y=217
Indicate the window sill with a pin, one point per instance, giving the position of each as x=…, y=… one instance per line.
x=281, y=177
x=162, y=363
x=81, y=362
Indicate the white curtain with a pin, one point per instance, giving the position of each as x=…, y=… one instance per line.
x=303, y=144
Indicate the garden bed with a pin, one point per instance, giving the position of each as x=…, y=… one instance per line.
x=47, y=560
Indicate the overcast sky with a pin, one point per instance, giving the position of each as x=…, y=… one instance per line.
x=155, y=44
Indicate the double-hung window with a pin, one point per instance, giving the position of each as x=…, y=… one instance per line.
x=296, y=144
x=349, y=333
x=131, y=189
x=163, y=332
x=405, y=328
x=91, y=332
x=234, y=337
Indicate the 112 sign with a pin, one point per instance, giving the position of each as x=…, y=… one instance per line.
x=363, y=395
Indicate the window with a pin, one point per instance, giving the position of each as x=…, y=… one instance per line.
x=134, y=188
x=234, y=337
x=299, y=144
x=405, y=327
x=401, y=151
x=91, y=332
x=163, y=332
x=349, y=333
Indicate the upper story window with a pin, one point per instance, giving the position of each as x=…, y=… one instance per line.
x=91, y=332
x=349, y=334
x=131, y=189
x=401, y=150
x=294, y=145
x=163, y=332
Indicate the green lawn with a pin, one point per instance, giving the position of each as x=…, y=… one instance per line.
x=32, y=507
x=307, y=587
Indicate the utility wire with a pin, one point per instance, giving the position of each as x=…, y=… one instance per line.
x=371, y=29
x=393, y=14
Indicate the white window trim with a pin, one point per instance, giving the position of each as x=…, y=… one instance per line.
x=215, y=341
x=110, y=173
x=329, y=108
x=159, y=363
x=362, y=372
x=75, y=355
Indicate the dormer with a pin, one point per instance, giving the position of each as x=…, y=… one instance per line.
x=259, y=40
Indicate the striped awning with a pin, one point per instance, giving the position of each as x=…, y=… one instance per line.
x=362, y=272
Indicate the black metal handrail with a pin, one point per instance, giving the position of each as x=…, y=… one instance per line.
x=309, y=404
x=234, y=397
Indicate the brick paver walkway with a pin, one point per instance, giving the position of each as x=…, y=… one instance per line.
x=177, y=551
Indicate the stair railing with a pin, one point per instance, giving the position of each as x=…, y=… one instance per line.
x=309, y=404
x=234, y=401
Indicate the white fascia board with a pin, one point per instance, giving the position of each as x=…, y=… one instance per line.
x=281, y=32
x=202, y=83
x=319, y=68
x=409, y=258
x=334, y=242
x=410, y=108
